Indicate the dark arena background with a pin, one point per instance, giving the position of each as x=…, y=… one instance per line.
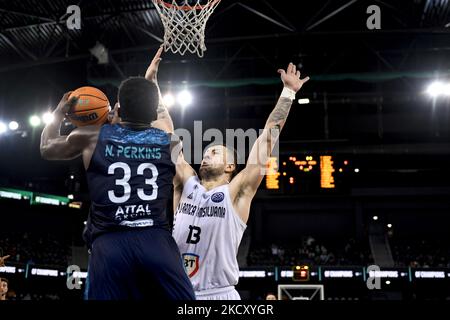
x=356, y=207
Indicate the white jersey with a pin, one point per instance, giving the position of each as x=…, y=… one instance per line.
x=208, y=232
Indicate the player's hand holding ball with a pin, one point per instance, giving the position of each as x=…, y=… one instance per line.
x=90, y=108
x=65, y=104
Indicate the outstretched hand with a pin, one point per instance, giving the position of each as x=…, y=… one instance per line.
x=152, y=70
x=291, y=78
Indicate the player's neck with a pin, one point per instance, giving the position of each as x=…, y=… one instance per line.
x=135, y=125
x=209, y=184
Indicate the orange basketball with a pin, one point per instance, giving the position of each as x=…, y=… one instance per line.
x=91, y=109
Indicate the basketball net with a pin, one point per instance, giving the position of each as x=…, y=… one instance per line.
x=184, y=24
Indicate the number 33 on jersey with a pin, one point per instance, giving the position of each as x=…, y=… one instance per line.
x=131, y=177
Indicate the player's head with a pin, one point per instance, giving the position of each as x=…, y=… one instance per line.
x=138, y=99
x=3, y=288
x=271, y=296
x=219, y=160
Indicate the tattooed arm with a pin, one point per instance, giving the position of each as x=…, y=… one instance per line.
x=244, y=186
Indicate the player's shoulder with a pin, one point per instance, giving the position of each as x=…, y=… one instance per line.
x=85, y=133
x=192, y=182
x=87, y=129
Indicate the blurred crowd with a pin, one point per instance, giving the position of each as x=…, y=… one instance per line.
x=311, y=252
x=421, y=253
x=35, y=248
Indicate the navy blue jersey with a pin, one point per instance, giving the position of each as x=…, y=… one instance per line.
x=130, y=180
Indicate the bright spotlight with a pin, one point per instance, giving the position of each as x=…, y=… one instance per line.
x=13, y=125
x=168, y=100
x=70, y=197
x=447, y=89
x=184, y=98
x=303, y=101
x=47, y=117
x=3, y=128
x=437, y=88
x=389, y=225
x=356, y=170
x=375, y=218
x=35, y=121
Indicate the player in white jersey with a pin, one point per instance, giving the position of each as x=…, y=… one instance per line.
x=212, y=209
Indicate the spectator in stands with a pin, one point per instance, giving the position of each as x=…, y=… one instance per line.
x=43, y=249
x=312, y=252
x=271, y=296
x=3, y=288
x=11, y=295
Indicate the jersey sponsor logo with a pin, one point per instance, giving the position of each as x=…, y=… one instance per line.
x=138, y=223
x=132, y=211
x=217, y=197
x=208, y=211
x=191, y=263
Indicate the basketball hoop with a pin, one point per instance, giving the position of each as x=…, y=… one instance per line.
x=184, y=24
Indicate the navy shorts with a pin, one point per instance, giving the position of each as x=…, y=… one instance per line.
x=135, y=265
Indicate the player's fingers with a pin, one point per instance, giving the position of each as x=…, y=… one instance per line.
x=281, y=71
x=71, y=103
x=74, y=100
x=116, y=109
x=6, y=257
x=289, y=68
x=298, y=74
x=160, y=50
x=156, y=63
x=66, y=96
x=305, y=79
x=157, y=57
x=294, y=69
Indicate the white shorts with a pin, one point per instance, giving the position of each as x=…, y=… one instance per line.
x=226, y=293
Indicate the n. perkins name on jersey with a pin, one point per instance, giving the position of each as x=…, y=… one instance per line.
x=132, y=152
x=209, y=211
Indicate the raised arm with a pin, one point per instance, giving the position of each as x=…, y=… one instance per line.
x=164, y=120
x=53, y=145
x=80, y=142
x=244, y=186
x=183, y=169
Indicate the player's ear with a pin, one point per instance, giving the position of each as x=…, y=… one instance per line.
x=230, y=167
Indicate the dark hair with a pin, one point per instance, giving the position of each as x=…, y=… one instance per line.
x=138, y=99
x=4, y=280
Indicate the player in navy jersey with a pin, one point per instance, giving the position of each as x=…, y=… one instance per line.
x=129, y=172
